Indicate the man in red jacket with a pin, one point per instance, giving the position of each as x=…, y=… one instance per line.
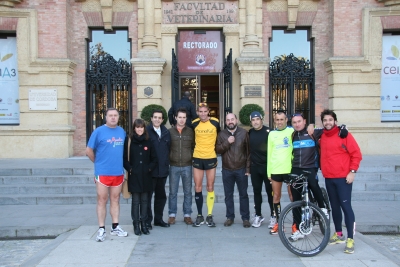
x=340, y=159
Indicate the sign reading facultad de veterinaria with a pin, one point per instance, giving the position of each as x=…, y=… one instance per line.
x=42, y=99
x=252, y=91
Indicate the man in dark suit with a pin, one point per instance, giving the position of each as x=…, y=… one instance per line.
x=161, y=140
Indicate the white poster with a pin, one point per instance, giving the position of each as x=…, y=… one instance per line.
x=390, y=78
x=9, y=85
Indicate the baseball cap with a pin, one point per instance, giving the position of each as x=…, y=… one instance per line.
x=255, y=114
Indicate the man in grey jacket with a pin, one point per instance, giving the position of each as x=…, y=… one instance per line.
x=180, y=157
x=233, y=145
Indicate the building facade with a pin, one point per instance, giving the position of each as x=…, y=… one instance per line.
x=218, y=50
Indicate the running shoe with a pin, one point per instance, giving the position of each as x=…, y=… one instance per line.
x=118, y=231
x=210, y=221
x=325, y=212
x=349, y=246
x=335, y=239
x=257, y=221
x=296, y=236
x=199, y=221
x=274, y=230
x=101, y=235
x=272, y=222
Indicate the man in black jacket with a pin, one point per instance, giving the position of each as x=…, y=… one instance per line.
x=183, y=103
x=233, y=145
x=161, y=140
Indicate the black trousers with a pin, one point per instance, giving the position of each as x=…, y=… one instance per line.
x=312, y=185
x=160, y=198
x=258, y=177
x=139, y=205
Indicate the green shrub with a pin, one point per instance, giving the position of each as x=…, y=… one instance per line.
x=246, y=110
x=148, y=111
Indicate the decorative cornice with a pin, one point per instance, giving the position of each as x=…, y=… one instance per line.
x=9, y=3
x=390, y=2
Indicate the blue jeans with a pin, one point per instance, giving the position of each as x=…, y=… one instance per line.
x=229, y=179
x=175, y=173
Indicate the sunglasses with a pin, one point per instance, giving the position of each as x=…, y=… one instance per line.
x=298, y=114
x=203, y=104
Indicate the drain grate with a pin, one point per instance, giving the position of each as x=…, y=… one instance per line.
x=381, y=233
x=27, y=237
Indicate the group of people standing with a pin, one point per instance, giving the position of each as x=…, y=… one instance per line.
x=151, y=153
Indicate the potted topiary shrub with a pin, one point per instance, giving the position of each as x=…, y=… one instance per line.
x=148, y=111
x=246, y=110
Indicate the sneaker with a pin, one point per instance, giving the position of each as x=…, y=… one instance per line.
x=199, y=221
x=257, y=221
x=101, y=235
x=210, y=221
x=274, y=230
x=335, y=239
x=294, y=228
x=296, y=236
x=272, y=222
x=349, y=246
x=118, y=231
x=325, y=212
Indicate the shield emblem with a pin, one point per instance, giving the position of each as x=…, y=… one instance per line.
x=148, y=91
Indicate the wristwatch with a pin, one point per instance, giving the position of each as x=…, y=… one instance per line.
x=353, y=171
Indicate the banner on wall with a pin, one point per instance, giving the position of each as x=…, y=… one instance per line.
x=9, y=85
x=200, y=51
x=390, y=78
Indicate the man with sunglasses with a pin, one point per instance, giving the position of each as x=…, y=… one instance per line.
x=206, y=129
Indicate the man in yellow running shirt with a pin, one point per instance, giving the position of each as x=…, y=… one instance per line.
x=206, y=129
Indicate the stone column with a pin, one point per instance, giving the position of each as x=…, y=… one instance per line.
x=252, y=63
x=148, y=65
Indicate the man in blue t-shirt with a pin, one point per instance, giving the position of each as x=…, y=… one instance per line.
x=105, y=148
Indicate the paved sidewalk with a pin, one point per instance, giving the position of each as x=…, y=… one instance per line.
x=182, y=245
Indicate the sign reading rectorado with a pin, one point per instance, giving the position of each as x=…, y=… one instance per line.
x=199, y=12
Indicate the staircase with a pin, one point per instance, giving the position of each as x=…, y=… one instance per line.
x=57, y=183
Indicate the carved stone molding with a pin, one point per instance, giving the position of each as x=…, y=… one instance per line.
x=390, y=2
x=9, y=3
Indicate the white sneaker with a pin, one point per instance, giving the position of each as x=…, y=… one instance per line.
x=257, y=221
x=118, y=231
x=296, y=236
x=326, y=212
x=272, y=222
x=101, y=235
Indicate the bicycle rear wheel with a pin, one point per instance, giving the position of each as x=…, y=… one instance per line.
x=326, y=199
x=314, y=238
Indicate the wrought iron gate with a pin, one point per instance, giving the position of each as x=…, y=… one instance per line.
x=292, y=85
x=227, y=70
x=174, y=78
x=108, y=84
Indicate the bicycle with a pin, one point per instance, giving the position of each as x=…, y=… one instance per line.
x=315, y=236
x=316, y=219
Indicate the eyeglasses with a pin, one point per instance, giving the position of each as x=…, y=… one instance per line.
x=298, y=114
x=202, y=104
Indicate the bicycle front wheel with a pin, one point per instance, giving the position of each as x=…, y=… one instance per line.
x=312, y=239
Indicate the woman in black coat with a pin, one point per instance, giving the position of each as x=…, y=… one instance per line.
x=140, y=159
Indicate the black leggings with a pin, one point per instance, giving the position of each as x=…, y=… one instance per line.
x=258, y=177
x=312, y=185
x=339, y=193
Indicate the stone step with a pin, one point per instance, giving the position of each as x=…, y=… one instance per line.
x=71, y=199
x=41, y=180
x=45, y=171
